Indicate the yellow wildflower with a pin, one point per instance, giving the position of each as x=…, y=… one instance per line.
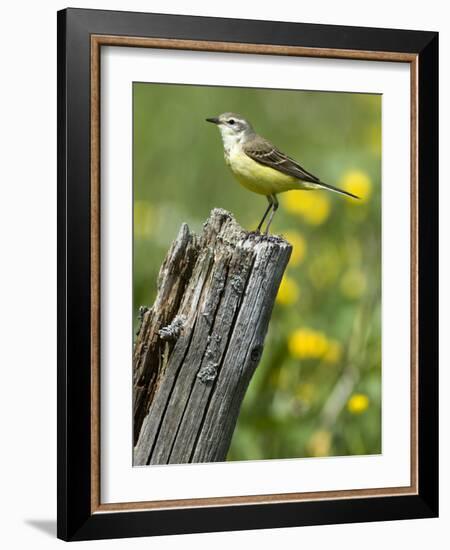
x=319, y=443
x=313, y=207
x=334, y=352
x=288, y=292
x=305, y=343
x=358, y=403
x=358, y=183
x=298, y=243
x=353, y=283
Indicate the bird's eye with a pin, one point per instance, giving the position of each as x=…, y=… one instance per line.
x=231, y=121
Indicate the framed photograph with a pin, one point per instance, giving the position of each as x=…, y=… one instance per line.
x=247, y=255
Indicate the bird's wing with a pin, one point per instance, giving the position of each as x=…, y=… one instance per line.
x=262, y=151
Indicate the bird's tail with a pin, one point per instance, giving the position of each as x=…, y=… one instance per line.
x=336, y=189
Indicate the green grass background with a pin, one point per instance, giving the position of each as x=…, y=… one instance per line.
x=317, y=390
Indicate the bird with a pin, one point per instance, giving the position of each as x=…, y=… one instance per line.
x=261, y=167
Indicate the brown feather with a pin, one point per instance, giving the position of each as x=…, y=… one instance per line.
x=262, y=151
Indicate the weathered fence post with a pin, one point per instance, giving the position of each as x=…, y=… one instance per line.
x=200, y=342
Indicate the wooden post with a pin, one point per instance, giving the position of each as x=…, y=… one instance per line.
x=199, y=344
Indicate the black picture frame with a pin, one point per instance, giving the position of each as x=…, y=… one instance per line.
x=76, y=520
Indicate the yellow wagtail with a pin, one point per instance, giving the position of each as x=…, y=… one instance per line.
x=260, y=167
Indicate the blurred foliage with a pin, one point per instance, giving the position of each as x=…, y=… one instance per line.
x=317, y=390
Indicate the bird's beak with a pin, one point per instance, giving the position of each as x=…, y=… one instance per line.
x=213, y=119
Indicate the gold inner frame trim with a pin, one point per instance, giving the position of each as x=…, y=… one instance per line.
x=97, y=41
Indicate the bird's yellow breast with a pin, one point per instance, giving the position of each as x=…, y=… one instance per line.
x=256, y=177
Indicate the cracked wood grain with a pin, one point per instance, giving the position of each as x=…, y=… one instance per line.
x=201, y=341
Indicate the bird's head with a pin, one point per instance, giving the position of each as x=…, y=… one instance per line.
x=233, y=127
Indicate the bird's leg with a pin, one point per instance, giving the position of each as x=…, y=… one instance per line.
x=274, y=209
x=269, y=198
